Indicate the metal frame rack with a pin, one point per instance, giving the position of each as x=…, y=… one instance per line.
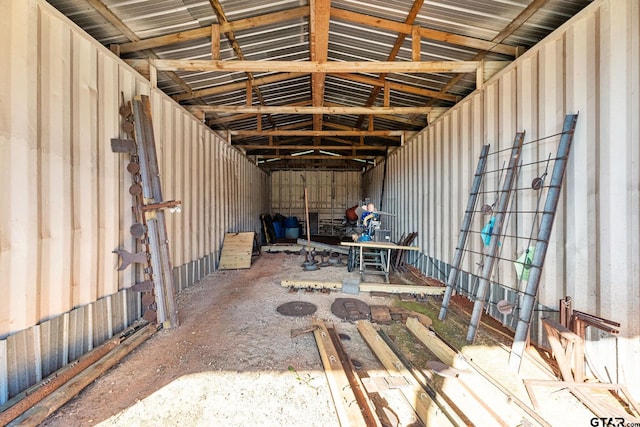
x=495, y=237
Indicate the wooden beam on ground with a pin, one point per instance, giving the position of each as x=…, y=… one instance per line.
x=473, y=378
x=402, y=289
x=438, y=347
x=310, y=284
x=367, y=406
x=349, y=414
x=51, y=403
x=200, y=33
x=426, y=33
x=202, y=65
x=428, y=411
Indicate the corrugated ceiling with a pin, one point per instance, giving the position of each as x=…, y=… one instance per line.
x=353, y=37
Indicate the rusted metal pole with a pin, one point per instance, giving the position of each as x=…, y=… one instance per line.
x=28, y=398
x=66, y=392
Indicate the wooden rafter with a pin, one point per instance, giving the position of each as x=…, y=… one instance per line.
x=426, y=33
x=320, y=67
x=300, y=12
x=501, y=36
x=222, y=19
x=107, y=14
x=319, y=52
x=226, y=27
x=217, y=90
x=400, y=87
x=415, y=9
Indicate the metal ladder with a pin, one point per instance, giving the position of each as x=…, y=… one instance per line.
x=542, y=242
x=464, y=231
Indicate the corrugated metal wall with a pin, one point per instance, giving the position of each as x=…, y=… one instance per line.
x=591, y=66
x=64, y=197
x=329, y=194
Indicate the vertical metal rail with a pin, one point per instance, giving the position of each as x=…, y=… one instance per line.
x=544, y=233
x=152, y=189
x=490, y=258
x=464, y=232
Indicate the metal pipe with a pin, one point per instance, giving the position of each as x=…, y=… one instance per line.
x=489, y=261
x=464, y=232
x=24, y=401
x=544, y=234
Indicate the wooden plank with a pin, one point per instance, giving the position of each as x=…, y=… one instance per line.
x=236, y=251
x=442, y=351
x=380, y=245
x=427, y=33
x=343, y=396
x=402, y=289
x=304, y=284
x=380, y=314
x=428, y=411
x=199, y=65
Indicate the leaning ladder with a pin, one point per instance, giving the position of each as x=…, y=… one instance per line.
x=464, y=231
x=492, y=251
x=544, y=234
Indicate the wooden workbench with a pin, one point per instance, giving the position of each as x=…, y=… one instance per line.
x=381, y=251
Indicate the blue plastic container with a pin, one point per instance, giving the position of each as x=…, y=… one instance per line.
x=291, y=222
x=292, y=233
x=279, y=230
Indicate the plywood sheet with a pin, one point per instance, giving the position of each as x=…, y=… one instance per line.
x=236, y=251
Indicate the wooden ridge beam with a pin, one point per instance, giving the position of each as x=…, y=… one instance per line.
x=312, y=147
x=317, y=66
x=315, y=157
x=426, y=33
x=290, y=109
x=201, y=33
x=380, y=133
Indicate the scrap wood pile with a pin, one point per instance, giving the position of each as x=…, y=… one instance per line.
x=398, y=257
x=447, y=391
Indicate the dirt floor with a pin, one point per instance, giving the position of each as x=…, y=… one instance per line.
x=233, y=362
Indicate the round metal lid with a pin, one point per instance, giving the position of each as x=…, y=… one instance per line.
x=297, y=308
